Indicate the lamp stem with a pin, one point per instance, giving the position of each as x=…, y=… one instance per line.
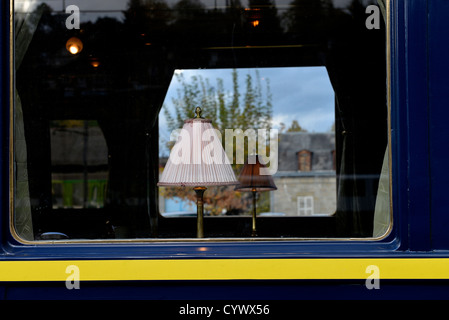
x=254, y=233
x=199, y=211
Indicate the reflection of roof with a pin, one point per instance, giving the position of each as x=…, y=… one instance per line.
x=321, y=145
x=179, y=214
x=68, y=145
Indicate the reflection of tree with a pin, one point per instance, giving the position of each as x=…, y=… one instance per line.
x=308, y=20
x=146, y=21
x=226, y=109
x=295, y=127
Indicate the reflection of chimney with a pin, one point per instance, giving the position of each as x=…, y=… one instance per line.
x=304, y=160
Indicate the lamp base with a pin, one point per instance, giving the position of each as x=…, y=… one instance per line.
x=253, y=231
x=199, y=211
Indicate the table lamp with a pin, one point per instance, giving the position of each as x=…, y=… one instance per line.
x=198, y=160
x=251, y=180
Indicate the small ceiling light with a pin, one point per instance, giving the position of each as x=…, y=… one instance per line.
x=74, y=45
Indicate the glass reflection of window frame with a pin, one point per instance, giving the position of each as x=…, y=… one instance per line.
x=305, y=205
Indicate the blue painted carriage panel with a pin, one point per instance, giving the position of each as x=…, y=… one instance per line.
x=417, y=125
x=439, y=120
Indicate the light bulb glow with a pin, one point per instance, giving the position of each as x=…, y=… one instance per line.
x=255, y=23
x=73, y=49
x=95, y=63
x=74, y=45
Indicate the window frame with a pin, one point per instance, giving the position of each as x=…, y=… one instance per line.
x=219, y=247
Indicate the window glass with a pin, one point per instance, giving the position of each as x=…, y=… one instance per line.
x=103, y=87
x=300, y=113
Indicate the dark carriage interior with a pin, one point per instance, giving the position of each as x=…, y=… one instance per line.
x=137, y=56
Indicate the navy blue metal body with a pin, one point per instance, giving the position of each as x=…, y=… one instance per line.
x=420, y=156
x=438, y=130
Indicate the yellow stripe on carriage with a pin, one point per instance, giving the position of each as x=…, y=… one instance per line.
x=225, y=269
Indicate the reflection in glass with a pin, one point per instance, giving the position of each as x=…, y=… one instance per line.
x=79, y=159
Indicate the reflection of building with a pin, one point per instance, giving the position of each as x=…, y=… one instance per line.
x=306, y=177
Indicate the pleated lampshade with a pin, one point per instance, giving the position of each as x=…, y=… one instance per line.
x=198, y=158
x=250, y=178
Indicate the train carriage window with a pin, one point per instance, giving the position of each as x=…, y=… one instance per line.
x=101, y=85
